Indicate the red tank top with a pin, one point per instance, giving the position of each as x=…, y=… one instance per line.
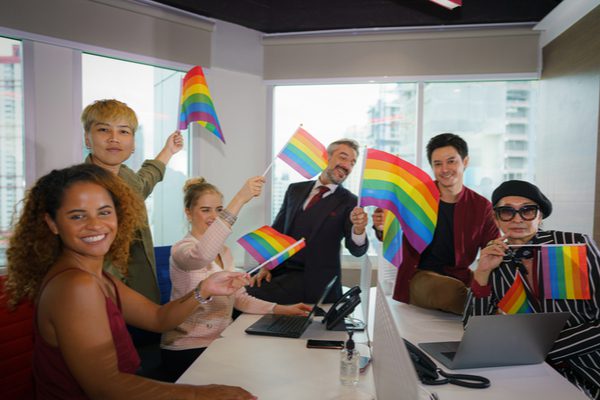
x=52, y=377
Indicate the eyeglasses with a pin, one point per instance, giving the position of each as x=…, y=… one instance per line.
x=506, y=213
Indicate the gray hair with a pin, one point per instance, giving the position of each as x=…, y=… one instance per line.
x=353, y=144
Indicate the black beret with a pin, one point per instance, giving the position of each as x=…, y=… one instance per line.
x=523, y=189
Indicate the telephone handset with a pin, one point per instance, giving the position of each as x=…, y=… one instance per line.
x=342, y=307
x=429, y=373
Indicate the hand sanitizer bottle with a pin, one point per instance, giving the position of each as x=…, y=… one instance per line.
x=349, y=369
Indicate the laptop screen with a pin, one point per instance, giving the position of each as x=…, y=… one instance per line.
x=321, y=300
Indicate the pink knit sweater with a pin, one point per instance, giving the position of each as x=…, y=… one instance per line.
x=192, y=260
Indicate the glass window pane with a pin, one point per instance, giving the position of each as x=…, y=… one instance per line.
x=153, y=93
x=382, y=116
x=497, y=121
x=12, y=141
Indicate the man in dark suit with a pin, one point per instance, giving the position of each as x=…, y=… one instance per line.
x=324, y=213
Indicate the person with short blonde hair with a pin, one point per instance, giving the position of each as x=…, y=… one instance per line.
x=110, y=127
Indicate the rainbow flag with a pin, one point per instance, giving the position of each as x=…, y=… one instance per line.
x=304, y=153
x=392, y=239
x=196, y=103
x=565, y=272
x=515, y=300
x=269, y=247
x=402, y=188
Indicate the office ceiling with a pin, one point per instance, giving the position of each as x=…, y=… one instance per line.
x=287, y=16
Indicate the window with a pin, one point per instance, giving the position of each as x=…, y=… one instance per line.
x=495, y=118
x=153, y=93
x=12, y=142
x=376, y=115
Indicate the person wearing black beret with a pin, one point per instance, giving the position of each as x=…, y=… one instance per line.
x=514, y=261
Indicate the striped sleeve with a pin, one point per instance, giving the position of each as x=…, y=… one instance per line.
x=191, y=253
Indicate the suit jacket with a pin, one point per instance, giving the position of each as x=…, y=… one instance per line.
x=322, y=251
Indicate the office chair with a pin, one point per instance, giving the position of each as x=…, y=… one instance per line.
x=16, y=349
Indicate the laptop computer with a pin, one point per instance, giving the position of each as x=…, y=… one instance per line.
x=500, y=340
x=292, y=326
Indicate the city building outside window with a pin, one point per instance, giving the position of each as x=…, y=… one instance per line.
x=12, y=142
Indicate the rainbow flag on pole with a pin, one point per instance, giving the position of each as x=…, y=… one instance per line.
x=402, y=188
x=196, y=103
x=392, y=239
x=269, y=247
x=304, y=153
x=515, y=300
x=565, y=272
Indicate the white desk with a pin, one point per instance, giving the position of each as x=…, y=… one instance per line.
x=280, y=368
x=277, y=368
x=539, y=381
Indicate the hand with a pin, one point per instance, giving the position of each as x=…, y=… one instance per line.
x=293, y=309
x=252, y=188
x=258, y=278
x=223, y=283
x=490, y=258
x=359, y=220
x=378, y=218
x=222, y=392
x=174, y=143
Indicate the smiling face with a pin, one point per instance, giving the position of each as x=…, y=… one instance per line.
x=111, y=142
x=204, y=211
x=517, y=229
x=340, y=165
x=86, y=220
x=448, y=167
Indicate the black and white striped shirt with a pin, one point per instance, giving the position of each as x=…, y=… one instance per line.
x=577, y=349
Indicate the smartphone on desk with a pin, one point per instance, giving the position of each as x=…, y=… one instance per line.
x=324, y=344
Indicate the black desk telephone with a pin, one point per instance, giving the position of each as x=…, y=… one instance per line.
x=430, y=374
x=342, y=308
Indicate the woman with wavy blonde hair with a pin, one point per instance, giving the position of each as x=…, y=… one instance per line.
x=199, y=255
x=82, y=349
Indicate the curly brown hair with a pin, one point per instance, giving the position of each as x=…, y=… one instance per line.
x=33, y=248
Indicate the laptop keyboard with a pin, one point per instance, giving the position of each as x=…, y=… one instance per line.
x=287, y=324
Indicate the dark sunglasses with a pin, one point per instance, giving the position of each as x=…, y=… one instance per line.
x=506, y=213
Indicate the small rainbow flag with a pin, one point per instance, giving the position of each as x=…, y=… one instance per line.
x=402, y=188
x=269, y=247
x=515, y=300
x=196, y=103
x=304, y=153
x=565, y=272
x=392, y=239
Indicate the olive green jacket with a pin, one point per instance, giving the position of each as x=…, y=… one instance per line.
x=142, y=265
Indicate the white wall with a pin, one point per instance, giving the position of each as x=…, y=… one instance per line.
x=240, y=100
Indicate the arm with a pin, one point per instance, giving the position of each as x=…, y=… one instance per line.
x=83, y=335
x=197, y=253
x=356, y=215
x=173, y=145
x=142, y=313
x=481, y=300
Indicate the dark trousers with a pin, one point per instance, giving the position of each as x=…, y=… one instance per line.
x=176, y=362
x=286, y=287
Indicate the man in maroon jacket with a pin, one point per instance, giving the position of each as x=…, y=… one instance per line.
x=439, y=277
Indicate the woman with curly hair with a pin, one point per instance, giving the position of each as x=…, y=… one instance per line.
x=82, y=349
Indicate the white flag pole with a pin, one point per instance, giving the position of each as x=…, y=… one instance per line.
x=275, y=158
x=362, y=174
x=253, y=270
x=547, y=245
